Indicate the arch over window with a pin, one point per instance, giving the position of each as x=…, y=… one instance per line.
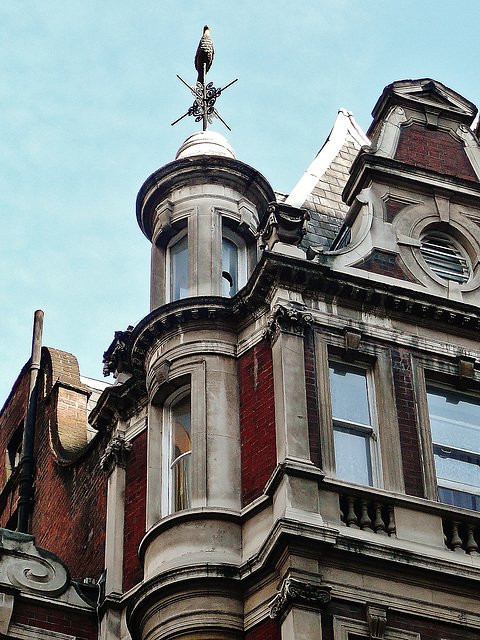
x=177, y=450
x=445, y=256
x=178, y=267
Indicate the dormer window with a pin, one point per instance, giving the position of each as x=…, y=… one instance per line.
x=445, y=257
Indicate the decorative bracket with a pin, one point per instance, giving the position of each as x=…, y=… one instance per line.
x=295, y=592
x=114, y=358
x=116, y=453
x=288, y=320
x=377, y=621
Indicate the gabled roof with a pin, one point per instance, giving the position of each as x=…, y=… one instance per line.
x=319, y=190
x=427, y=93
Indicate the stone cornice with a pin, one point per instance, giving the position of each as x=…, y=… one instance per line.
x=367, y=164
x=313, y=280
x=201, y=170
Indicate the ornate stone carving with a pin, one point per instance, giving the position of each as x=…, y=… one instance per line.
x=294, y=591
x=28, y=568
x=284, y=223
x=287, y=319
x=114, y=358
x=377, y=621
x=115, y=453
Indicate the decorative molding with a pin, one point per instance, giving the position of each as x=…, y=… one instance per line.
x=288, y=320
x=352, y=343
x=28, y=568
x=377, y=621
x=345, y=628
x=26, y=632
x=116, y=453
x=294, y=592
x=7, y=601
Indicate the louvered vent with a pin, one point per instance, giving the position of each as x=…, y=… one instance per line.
x=444, y=257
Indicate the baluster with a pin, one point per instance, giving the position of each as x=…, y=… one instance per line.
x=351, y=515
x=379, y=525
x=391, y=528
x=456, y=541
x=365, y=522
x=471, y=546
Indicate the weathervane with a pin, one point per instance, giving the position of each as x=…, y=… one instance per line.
x=203, y=107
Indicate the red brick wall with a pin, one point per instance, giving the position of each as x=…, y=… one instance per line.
x=70, y=502
x=135, y=505
x=407, y=422
x=382, y=262
x=12, y=414
x=267, y=630
x=81, y=625
x=257, y=420
x=433, y=149
x=312, y=399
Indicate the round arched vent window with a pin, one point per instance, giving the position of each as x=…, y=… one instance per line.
x=445, y=257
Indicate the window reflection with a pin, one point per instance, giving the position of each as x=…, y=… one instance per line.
x=180, y=473
x=352, y=424
x=229, y=268
x=455, y=426
x=179, y=269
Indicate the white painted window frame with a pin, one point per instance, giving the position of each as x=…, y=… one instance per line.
x=370, y=430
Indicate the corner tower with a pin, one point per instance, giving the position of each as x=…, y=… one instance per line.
x=201, y=213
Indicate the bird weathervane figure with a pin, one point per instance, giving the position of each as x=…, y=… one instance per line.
x=203, y=108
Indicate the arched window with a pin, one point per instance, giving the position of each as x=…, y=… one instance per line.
x=177, y=449
x=177, y=256
x=234, y=263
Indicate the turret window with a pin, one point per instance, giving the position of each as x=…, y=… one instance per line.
x=178, y=263
x=229, y=267
x=177, y=448
x=234, y=263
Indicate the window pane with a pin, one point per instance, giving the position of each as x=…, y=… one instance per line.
x=348, y=387
x=451, y=467
x=181, y=426
x=181, y=479
x=179, y=269
x=180, y=475
x=352, y=457
x=229, y=267
x=454, y=419
x=459, y=498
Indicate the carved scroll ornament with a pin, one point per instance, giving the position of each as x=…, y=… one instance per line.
x=301, y=593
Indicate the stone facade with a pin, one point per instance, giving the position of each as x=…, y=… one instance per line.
x=290, y=449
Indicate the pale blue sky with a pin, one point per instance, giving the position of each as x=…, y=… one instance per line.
x=88, y=92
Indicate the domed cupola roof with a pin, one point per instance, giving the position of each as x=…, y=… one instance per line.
x=205, y=143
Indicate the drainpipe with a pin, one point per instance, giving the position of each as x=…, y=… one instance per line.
x=27, y=476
